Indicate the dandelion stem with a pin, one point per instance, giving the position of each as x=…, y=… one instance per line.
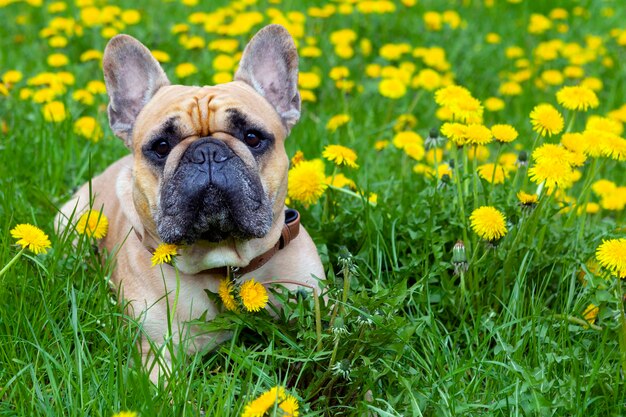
x=352, y=194
x=622, y=329
x=576, y=320
x=12, y=261
x=585, y=193
x=496, y=165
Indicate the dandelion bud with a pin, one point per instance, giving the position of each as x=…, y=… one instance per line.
x=434, y=139
x=458, y=252
x=339, y=328
x=522, y=158
x=344, y=256
x=459, y=258
x=342, y=368
x=451, y=163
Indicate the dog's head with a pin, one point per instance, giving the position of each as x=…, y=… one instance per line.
x=209, y=162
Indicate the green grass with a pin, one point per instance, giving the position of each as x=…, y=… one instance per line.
x=505, y=339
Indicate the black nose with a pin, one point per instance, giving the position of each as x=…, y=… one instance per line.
x=210, y=150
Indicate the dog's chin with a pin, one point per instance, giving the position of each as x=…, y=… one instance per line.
x=213, y=226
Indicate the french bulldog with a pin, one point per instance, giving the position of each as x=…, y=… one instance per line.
x=208, y=172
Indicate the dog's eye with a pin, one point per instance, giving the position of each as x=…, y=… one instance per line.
x=252, y=138
x=162, y=148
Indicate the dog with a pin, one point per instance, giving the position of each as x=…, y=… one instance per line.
x=208, y=172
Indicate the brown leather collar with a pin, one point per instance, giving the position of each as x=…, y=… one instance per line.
x=290, y=231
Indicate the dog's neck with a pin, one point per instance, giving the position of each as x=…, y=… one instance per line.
x=202, y=255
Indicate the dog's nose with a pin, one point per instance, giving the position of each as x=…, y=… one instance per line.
x=210, y=150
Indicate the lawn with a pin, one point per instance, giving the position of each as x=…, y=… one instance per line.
x=473, y=233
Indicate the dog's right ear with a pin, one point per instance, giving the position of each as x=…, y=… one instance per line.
x=132, y=76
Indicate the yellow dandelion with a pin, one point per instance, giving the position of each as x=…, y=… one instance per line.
x=488, y=223
x=89, y=128
x=415, y=151
x=504, y=133
x=126, y=414
x=546, y=120
x=456, y=132
x=185, y=70
x=611, y=254
x=405, y=138
x=253, y=296
x=93, y=223
x=297, y=158
x=164, y=253
x=379, y=145
x=289, y=406
x=31, y=237
x=591, y=313
x=492, y=173
x=340, y=181
x=307, y=182
x=392, y=88
x=494, y=104
x=225, y=292
x=451, y=95
x=54, y=112
x=526, y=199
x=554, y=172
x=468, y=110
x=577, y=98
x=337, y=121
x=603, y=187
x=340, y=155
x=476, y=134
x=259, y=406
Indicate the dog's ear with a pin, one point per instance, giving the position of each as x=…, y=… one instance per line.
x=132, y=76
x=270, y=65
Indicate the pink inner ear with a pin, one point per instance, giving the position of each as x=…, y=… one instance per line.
x=132, y=76
x=270, y=65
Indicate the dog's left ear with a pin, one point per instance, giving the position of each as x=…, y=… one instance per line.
x=270, y=65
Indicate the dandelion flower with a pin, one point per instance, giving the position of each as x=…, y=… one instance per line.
x=253, y=295
x=478, y=134
x=185, y=70
x=504, y=133
x=54, y=112
x=88, y=128
x=31, y=237
x=125, y=414
x=527, y=200
x=451, y=95
x=488, y=223
x=225, y=292
x=577, y=98
x=554, y=172
x=93, y=223
x=611, y=254
x=339, y=180
x=337, y=121
x=290, y=406
x=456, y=132
x=546, y=120
x=259, y=406
x=591, y=313
x=340, y=155
x=164, y=253
x=405, y=138
x=603, y=187
x=307, y=182
x=392, y=88
x=492, y=173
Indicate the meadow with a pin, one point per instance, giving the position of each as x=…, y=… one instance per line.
x=459, y=164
